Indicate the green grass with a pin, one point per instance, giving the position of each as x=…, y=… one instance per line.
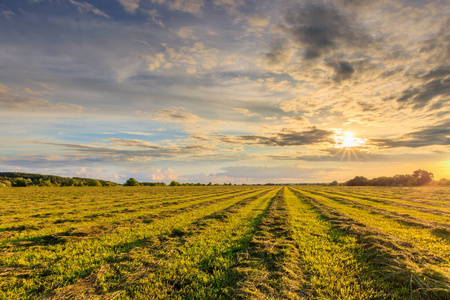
x=225, y=242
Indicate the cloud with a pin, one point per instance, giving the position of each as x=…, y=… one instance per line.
x=155, y=62
x=231, y=6
x=342, y=70
x=49, y=162
x=436, y=85
x=7, y=14
x=156, y=17
x=245, y=112
x=9, y=99
x=287, y=137
x=131, y=150
x=185, y=33
x=280, y=54
x=175, y=115
x=259, y=21
x=192, y=59
x=164, y=174
x=130, y=6
x=438, y=134
x=272, y=84
x=84, y=7
x=193, y=7
x=321, y=27
x=138, y=133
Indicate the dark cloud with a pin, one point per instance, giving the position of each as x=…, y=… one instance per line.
x=355, y=3
x=41, y=161
x=438, y=84
x=438, y=46
x=428, y=136
x=287, y=137
x=342, y=70
x=438, y=72
x=366, y=106
x=279, y=53
x=322, y=27
x=134, y=149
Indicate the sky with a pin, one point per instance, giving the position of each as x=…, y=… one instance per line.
x=221, y=91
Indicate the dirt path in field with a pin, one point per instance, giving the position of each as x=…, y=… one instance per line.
x=269, y=267
x=393, y=259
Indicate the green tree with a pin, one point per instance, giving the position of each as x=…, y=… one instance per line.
x=358, y=181
x=131, y=182
x=7, y=183
x=93, y=182
x=422, y=177
x=45, y=182
x=174, y=183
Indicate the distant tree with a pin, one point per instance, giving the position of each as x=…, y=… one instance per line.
x=401, y=180
x=19, y=182
x=7, y=183
x=382, y=181
x=422, y=177
x=131, y=182
x=174, y=183
x=443, y=182
x=334, y=183
x=209, y=183
x=358, y=181
x=93, y=182
x=45, y=182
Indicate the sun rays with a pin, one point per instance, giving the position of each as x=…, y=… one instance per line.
x=349, y=146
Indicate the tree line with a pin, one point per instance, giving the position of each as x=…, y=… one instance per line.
x=417, y=178
x=16, y=179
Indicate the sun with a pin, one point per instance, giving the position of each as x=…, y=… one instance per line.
x=347, y=140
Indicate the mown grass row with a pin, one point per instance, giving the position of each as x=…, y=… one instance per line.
x=426, y=211
x=398, y=213
x=35, y=228
x=333, y=262
x=414, y=259
x=192, y=262
x=88, y=200
x=62, y=260
x=269, y=268
x=426, y=196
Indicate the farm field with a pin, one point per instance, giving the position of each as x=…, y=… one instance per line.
x=225, y=242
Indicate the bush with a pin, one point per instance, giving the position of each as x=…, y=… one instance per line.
x=93, y=182
x=131, y=182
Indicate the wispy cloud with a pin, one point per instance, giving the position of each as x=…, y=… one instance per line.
x=85, y=7
x=130, y=5
x=10, y=100
x=438, y=134
x=287, y=137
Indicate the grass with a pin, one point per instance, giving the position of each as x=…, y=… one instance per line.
x=234, y=242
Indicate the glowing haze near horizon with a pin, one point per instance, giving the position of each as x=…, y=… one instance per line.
x=225, y=90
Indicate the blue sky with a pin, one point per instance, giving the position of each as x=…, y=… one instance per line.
x=225, y=90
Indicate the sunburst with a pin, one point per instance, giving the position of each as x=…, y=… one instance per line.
x=348, y=144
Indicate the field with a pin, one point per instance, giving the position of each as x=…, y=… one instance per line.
x=225, y=242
